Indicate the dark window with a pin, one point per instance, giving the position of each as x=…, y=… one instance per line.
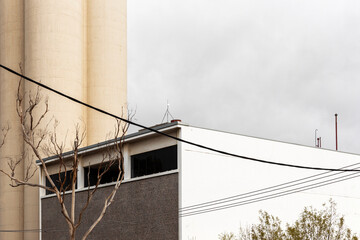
x=110, y=176
x=57, y=181
x=156, y=161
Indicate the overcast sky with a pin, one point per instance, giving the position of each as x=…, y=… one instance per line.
x=273, y=69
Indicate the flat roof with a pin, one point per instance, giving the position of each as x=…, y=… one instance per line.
x=128, y=137
x=164, y=127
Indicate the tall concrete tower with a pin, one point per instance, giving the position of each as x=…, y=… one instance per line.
x=76, y=47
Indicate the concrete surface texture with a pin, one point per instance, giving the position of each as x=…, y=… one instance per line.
x=76, y=47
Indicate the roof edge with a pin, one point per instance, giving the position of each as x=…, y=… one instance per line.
x=141, y=132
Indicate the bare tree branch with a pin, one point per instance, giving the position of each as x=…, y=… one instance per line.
x=16, y=182
x=119, y=136
x=4, y=132
x=40, y=140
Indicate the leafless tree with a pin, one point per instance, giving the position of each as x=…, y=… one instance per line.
x=43, y=142
x=4, y=132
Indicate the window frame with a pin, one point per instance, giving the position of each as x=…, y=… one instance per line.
x=172, y=164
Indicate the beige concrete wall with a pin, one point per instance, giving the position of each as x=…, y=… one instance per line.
x=106, y=56
x=53, y=50
x=11, y=54
x=54, y=55
x=76, y=47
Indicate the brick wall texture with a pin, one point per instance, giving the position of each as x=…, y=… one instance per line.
x=143, y=209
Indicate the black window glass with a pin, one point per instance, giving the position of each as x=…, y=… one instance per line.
x=57, y=181
x=91, y=174
x=156, y=161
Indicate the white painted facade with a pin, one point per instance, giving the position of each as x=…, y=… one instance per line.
x=208, y=176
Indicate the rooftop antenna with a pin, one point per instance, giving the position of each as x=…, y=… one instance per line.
x=319, y=142
x=336, y=135
x=317, y=139
x=167, y=113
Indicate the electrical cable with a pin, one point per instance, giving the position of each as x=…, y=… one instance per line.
x=169, y=136
x=26, y=230
x=33, y=230
x=275, y=195
x=264, y=190
x=263, y=198
x=246, y=202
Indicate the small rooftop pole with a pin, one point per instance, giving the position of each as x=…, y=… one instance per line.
x=167, y=113
x=336, y=136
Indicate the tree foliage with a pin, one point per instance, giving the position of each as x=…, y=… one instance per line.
x=268, y=228
x=312, y=224
x=227, y=236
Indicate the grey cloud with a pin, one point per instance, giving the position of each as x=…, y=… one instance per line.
x=274, y=69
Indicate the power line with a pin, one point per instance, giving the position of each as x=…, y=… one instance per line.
x=274, y=195
x=237, y=204
x=241, y=203
x=26, y=230
x=169, y=136
x=265, y=190
x=262, y=198
x=32, y=230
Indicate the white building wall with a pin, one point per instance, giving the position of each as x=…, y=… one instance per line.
x=207, y=176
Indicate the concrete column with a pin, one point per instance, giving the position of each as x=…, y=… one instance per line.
x=76, y=47
x=54, y=55
x=106, y=56
x=11, y=55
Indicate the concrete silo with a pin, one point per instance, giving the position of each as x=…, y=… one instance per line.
x=11, y=54
x=76, y=47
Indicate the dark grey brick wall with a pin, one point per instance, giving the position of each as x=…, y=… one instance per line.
x=144, y=209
